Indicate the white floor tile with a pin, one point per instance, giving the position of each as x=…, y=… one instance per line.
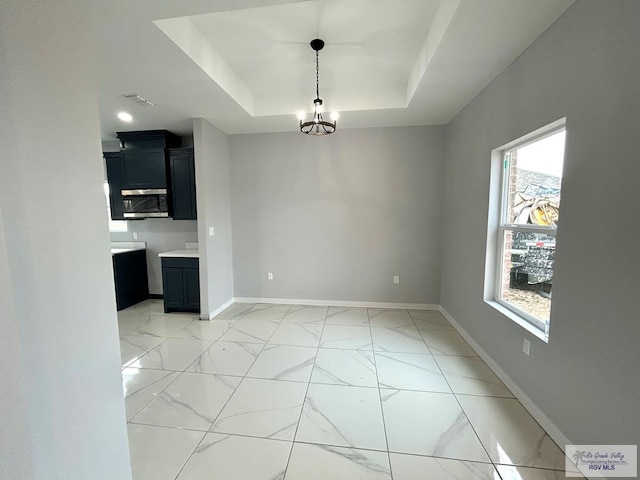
x=133, y=347
x=141, y=385
x=173, y=354
x=347, y=316
x=306, y=314
x=430, y=320
x=510, y=434
x=413, y=467
x=205, y=329
x=410, y=371
x=227, y=358
x=342, y=416
x=193, y=401
x=154, y=325
x=470, y=375
x=234, y=312
x=323, y=462
x=508, y=472
x=250, y=331
x=151, y=305
x=284, y=362
x=263, y=408
x=425, y=423
x=229, y=457
x=294, y=333
x=389, y=318
x=346, y=337
x=247, y=373
x=443, y=342
x=398, y=339
x=262, y=312
x=345, y=367
x=158, y=453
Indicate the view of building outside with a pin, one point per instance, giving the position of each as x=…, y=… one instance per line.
x=529, y=225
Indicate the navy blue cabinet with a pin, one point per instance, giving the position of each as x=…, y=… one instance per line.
x=183, y=183
x=115, y=177
x=130, y=278
x=181, y=284
x=145, y=168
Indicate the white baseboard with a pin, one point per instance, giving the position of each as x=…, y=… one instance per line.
x=337, y=303
x=218, y=310
x=544, y=421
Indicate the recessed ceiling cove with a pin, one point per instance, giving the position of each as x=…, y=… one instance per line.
x=247, y=67
x=376, y=52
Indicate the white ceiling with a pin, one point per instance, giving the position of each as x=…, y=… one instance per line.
x=246, y=65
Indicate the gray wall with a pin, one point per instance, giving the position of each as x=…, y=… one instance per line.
x=586, y=67
x=214, y=210
x=335, y=218
x=161, y=235
x=61, y=406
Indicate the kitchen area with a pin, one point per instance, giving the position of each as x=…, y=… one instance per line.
x=153, y=219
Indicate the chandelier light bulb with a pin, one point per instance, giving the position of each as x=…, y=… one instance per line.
x=301, y=115
x=335, y=116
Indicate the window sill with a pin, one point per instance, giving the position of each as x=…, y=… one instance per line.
x=519, y=320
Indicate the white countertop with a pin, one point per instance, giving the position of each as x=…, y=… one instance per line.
x=115, y=251
x=123, y=247
x=187, y=253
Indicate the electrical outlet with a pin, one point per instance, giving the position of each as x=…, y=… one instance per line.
x=269, y=275
x=396, y=279
x=135, y=235
x=526, y=347
x=211, y=232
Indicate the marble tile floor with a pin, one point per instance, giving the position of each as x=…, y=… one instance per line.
x=273, y=392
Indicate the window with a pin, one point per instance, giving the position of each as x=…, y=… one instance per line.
x=528, y=216
x=114, y=225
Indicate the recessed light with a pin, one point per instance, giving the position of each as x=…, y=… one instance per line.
x=125, y=117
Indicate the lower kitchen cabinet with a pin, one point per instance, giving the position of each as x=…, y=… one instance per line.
x=181, y=284
x=130, y=278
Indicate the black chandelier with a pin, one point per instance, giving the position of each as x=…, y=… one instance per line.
x=317, y=125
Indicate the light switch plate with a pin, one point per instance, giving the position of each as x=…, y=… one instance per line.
x=526, y=347
x=396, y=279
x=211, y=231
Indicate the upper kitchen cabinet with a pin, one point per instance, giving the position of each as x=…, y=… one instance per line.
x=115, y=176
x=145, y=168
x=183, y=183
x=144, y=157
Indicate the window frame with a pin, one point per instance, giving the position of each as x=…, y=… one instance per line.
x=493, y=289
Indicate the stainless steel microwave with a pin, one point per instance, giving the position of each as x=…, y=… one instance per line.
x=144, y=203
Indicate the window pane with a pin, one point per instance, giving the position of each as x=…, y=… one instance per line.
x=534, y=178
x=527, y=272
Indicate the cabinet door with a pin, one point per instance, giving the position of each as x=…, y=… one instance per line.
x=191, y=281
x=173, y=288
x=183, y=185
x=145, y=168
x=130, y=276
x=115, y=178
